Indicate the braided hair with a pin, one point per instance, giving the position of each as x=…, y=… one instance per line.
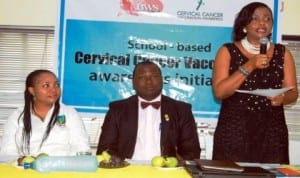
x=25, y=116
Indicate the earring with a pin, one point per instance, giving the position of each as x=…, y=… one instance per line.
x=244, y=30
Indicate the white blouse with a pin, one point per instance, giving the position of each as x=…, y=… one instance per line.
x=64, y=139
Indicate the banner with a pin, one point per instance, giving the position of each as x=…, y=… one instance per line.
x=101, y=41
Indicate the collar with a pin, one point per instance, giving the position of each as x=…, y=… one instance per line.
x=158, y=98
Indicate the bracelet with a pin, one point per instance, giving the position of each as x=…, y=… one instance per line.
x=244, y=71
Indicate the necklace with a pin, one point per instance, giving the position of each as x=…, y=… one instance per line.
x=250, y=47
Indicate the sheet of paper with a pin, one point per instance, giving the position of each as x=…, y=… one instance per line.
x=266, y=92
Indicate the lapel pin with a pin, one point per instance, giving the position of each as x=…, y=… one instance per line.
x=166, y=117
x=61, y=120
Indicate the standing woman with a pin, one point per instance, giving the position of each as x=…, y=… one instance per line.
x=252, y=128
x=43, y=125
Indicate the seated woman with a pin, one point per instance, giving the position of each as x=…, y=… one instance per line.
x=43, y=125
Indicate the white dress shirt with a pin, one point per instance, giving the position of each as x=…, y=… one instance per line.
x=148, y=138
x=64, y=139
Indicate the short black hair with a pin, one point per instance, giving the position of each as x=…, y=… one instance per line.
x=244, y=17
x=145, y=63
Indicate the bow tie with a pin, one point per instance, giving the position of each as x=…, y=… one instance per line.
x=155, y=104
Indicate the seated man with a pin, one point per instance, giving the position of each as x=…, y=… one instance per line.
x=149, y=124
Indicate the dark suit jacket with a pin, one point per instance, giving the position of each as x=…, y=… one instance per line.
x=178, y=134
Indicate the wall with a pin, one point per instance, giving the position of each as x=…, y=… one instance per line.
x=44, y=13
x=290, y=17
x=28, y=12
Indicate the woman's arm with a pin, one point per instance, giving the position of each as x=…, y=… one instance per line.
x=78, y=136
x=8, y=144
x=289, y=80
x=224, y=84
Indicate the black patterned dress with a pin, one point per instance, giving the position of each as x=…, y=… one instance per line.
x=249, y=128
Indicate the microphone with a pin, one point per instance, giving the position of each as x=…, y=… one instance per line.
x=263, y=45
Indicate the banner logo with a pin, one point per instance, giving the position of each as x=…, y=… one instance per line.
x=200, y=2
x=134, y=7
x=202, y=15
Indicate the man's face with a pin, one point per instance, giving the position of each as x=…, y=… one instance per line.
x=147, y=81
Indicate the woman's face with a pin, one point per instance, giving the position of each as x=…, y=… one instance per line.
x=261, y=24
x=46, y=89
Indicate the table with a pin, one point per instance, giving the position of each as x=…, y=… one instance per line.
x=131, y=171
x=8, y=170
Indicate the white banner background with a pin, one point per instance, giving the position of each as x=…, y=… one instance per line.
x=117, y=34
